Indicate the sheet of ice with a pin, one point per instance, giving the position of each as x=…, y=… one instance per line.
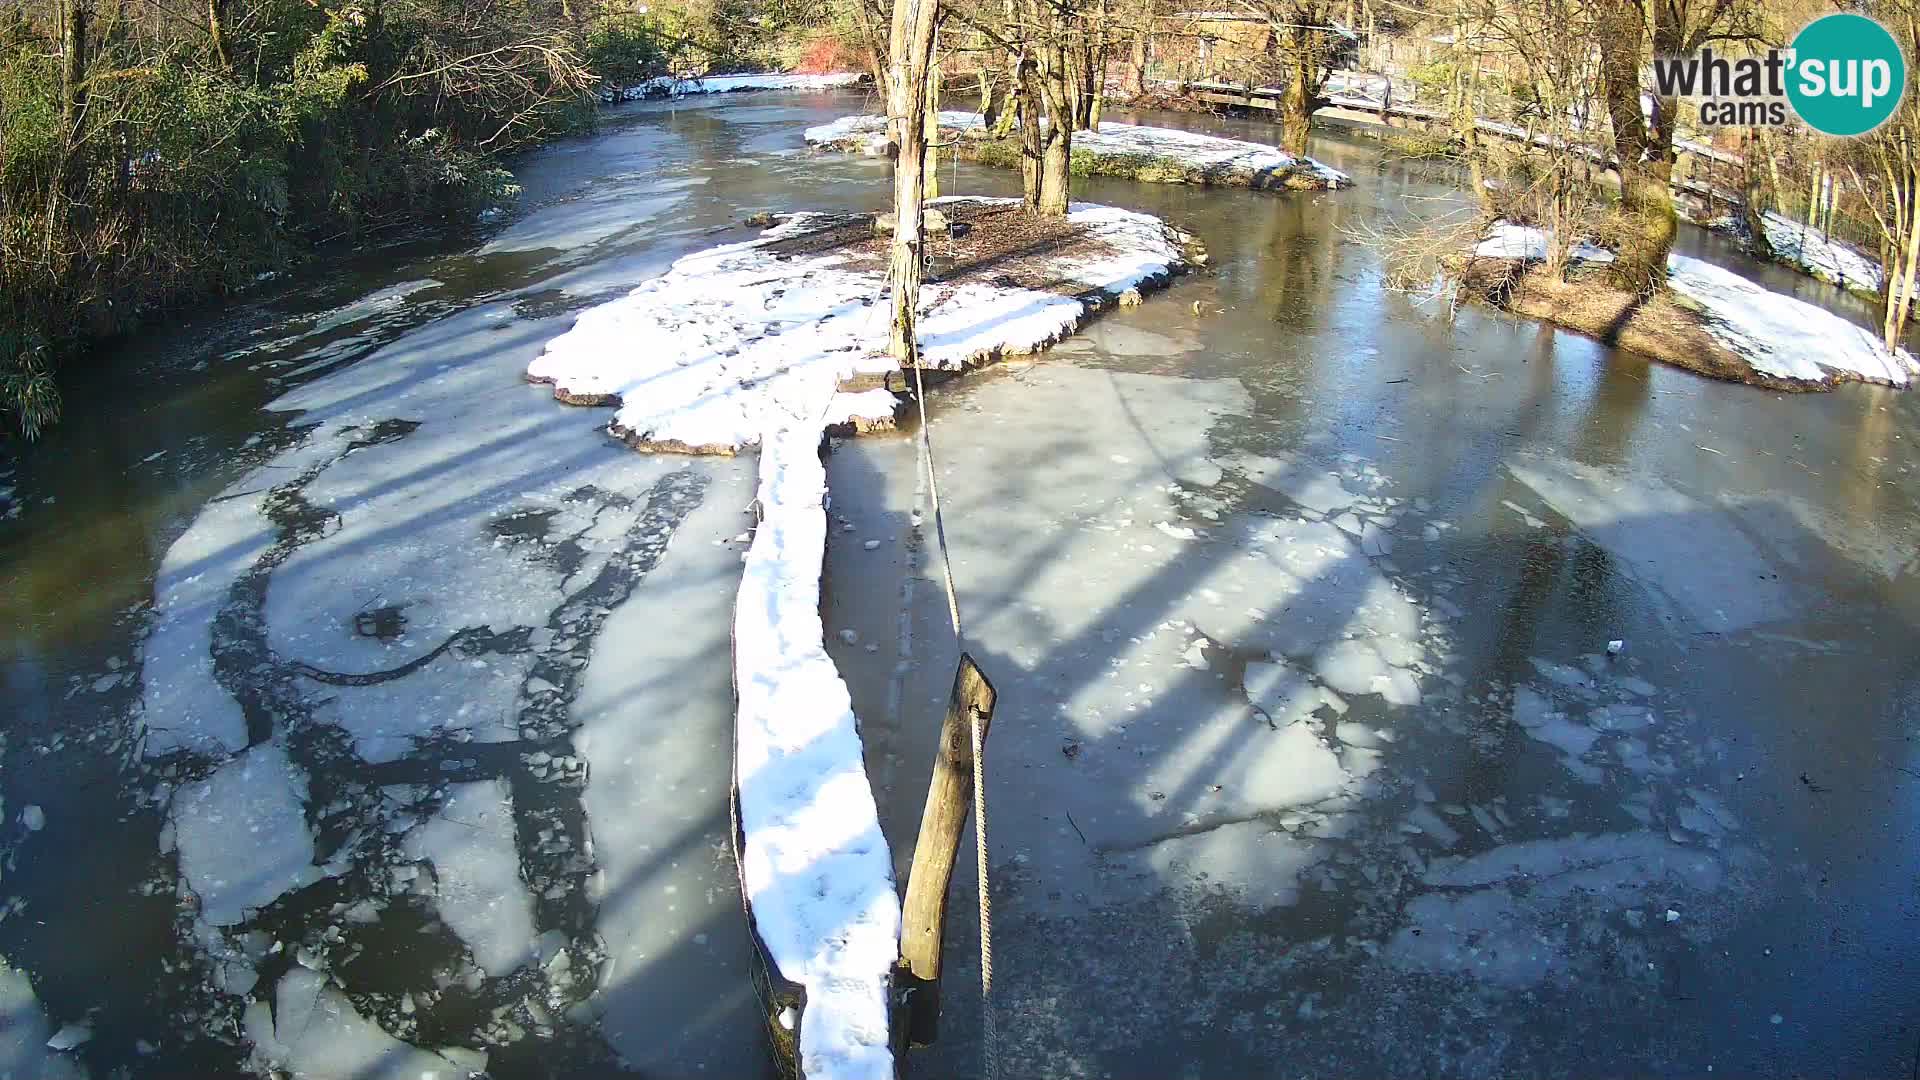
x=693, y=355
x=815, y=864
x=470, y=843
x=24, y=1032
x=183, y=706
x=312, y=1032
x=1783, y=336
x=656, y=715
x=1524, y=912
x=1693, y=555
x=1823, y=256
x=242, y=835
x=1188, y=147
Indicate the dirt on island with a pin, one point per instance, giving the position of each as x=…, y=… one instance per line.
x=1662, y=326
x=993, y=242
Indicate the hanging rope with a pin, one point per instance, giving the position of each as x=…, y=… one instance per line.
x=989, y=1034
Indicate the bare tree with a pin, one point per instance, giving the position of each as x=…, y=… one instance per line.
x=910, y=49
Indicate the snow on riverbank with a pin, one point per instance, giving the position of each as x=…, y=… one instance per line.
x=1782, y=336
x=1202, y=158
x=669, y=86
x=1822, y=256
x=1776, y=334
x=748, y=345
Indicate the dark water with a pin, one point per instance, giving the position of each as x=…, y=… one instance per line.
x=1802, y=699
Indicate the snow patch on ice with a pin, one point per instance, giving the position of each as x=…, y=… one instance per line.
x=1778, y=334
x=1506, y=240
x=736, y=340
x=815, y=864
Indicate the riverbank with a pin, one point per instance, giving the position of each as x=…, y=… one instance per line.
x=1708, y=320
x=1130, y=151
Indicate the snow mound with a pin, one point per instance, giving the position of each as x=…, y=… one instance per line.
x=815, y=864
x=1205, y=152
x=1782, y=336
x=1822, y=256
x=1506, y=240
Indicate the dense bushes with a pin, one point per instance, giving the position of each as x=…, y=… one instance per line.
x=152, y=152
x=168, y=163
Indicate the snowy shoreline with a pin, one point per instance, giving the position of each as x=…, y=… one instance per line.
x=1154, y=154
x=1777, y=336
x=669, y=86
x=745, y=345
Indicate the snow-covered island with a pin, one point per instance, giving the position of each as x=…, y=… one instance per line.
x=772, y=343
x=1132, y=151
x=1708, y=320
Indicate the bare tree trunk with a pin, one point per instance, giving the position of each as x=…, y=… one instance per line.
x=931, y=187
x=911, y=50
x=872, y=46
x=1030, y=110
x=1905, y=303
x=73, y=69
x=1754, y=195
x=1296, y=105
x=1056, y=141
x=1097, y=67
x=216, y=33
x=1142, y=42
x=1645, y=159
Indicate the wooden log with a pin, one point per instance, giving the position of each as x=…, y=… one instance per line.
x=942, y=822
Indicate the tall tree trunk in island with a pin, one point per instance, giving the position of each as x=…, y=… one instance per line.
x=1056, y=141
x=1296, y=104
x=1097, y=102
x=1646, y=162
x=1904, y=304
x=1029, y=109
x=910, y=48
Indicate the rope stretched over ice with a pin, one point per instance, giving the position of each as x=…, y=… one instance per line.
x=989, y=1036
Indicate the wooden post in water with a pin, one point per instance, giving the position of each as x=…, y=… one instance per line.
x=923, y=922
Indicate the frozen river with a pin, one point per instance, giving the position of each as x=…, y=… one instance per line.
x=368, y=712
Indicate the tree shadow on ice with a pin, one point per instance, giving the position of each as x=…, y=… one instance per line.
x=1479, y=864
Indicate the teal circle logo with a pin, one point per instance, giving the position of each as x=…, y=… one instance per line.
x=1847, y=75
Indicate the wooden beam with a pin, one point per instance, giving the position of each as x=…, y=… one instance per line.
x=923, y=923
